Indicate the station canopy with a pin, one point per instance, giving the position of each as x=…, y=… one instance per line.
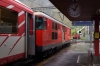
x=89, y=8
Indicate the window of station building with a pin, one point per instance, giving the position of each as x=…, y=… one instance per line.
x=41, y=23
x=8, y=21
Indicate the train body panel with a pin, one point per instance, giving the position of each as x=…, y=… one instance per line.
x=52, y=35
x=38, y=38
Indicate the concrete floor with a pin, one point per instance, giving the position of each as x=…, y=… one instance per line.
x=67, y=59
x=69, y=55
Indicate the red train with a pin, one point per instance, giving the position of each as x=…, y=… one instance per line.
x=76, y=36
x=25, y=33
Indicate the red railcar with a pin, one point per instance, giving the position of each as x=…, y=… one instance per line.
x=50, y=33
x=76, y=36
x=24, y=33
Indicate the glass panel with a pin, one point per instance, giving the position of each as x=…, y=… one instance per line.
x=39, y=23
x=53, y=36
x=56, y=35
x=8, y=21
x=53, y=25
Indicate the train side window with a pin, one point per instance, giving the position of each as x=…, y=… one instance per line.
x=64, y=29
x=53, y=25
x=53, y=35
x=41, y=23
x=58, y=26
x=56, y=35
x=8, y=21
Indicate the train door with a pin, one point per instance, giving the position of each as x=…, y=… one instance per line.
x=63, y=34
x=30, y=35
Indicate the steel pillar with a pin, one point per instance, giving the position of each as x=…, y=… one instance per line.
x=96, y=35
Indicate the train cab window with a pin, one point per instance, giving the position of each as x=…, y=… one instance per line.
x=41, y=23
x=58, y=26
x=8, y=21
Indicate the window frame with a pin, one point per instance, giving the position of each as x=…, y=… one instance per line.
x=53, y=25
x=4, y=20
x=54, y=35
x=44, y=23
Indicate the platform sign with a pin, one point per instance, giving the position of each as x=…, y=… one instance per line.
x=96, y=35
x=82, y=23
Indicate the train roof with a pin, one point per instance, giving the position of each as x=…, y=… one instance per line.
x=19, y=5
x=45, y=15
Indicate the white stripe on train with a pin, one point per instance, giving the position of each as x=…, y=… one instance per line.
x=22, y=12
x=10, y=6
x=21, y=24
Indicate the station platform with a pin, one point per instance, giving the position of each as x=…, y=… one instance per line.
x=67, y=59
x=75, y=55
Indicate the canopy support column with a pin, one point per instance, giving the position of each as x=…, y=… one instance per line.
x=96, y=35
